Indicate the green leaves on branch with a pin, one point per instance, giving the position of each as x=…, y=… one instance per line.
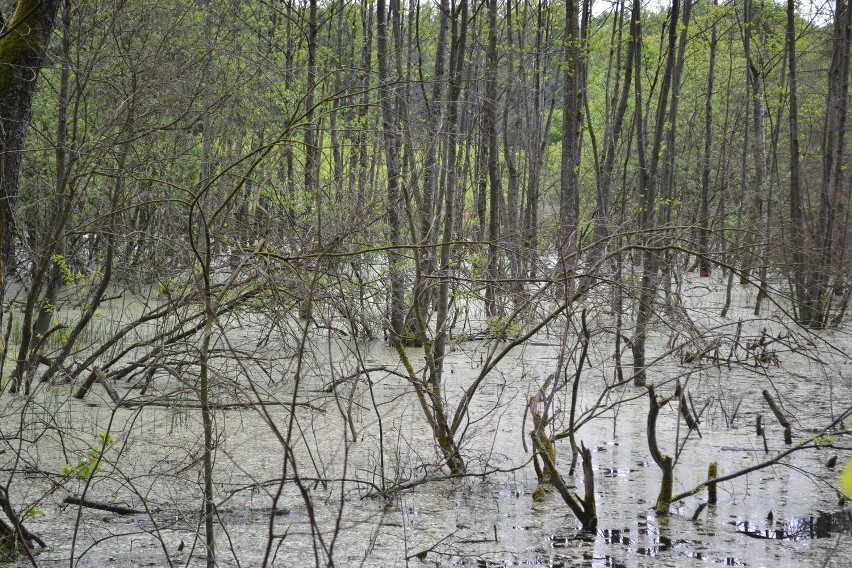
x=92, y=463
x=68, y=276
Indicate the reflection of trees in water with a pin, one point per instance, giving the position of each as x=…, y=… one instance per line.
x=822, y=525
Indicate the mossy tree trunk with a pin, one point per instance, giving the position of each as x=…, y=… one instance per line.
x=584, y=508
x=22, y=50
x=572, y=109
x=665, y=462
x=432, y=403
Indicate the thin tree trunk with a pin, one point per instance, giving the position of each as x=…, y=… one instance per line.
x=648, y=185
x=510, y=135
x=459, y=20
x=428, y=207
x=834, y=146
x=54, y=243
x=289, y=53
x=572, y=121
x=667, y=182
x=704, y=265
x=761, y=181
x=312, y=185
x=614, y=127
x=796, y=229
x=494, y=185
x=337, y=156
x=391, y=148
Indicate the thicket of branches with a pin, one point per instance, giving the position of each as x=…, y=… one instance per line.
x=421, y=172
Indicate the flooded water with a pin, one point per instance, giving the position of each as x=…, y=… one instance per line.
x=353, y=442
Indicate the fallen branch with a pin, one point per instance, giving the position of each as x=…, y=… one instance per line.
x=102, y=379
x=97, y=375
x=118, y=509
x=365, y=371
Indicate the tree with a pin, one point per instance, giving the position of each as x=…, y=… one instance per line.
x=704, y=207
x=384, y=15
x=23, y=47
x=492, y=161
x=811, y=273
x=572, y=121
x=648, y=179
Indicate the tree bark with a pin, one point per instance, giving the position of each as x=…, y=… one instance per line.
x=23, y=47
x=572, y=121
x=648, y=184
x=391, y=147
x=704, y=266
x=494, y=185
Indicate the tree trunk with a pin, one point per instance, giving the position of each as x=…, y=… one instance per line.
x=459, y=21
x=704, y=211
x=763, y=199
x=648, y=183
x=613, y=128
x=46, y=273
x=23, y=47
x=667, y=181
x=429, y=195
x=803, y=308
x=572, y=121
x=494, y=185
x=312, y=185
x=337, y=155
x=391, y=147
x=364, y=106
x=833, y=148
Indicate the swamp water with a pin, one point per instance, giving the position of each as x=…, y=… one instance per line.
x=351, y=442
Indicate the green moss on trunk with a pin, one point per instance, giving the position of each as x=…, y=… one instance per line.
x=547, y=446
x=23, y=45
x=665, y=497
x=712, y=473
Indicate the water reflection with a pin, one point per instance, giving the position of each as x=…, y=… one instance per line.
x=616, y=536
x=809, y=527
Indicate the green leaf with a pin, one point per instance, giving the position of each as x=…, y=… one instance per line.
x=846, y=480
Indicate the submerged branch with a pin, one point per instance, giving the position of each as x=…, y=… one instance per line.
x=118, y=509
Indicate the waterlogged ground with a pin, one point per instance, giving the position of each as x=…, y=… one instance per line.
x=354, y=441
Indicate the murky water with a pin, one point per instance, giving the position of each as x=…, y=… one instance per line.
x=352, y=442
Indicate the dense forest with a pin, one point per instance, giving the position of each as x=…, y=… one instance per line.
x=264, y=211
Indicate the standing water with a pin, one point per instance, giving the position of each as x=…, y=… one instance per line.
x=121, y=485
